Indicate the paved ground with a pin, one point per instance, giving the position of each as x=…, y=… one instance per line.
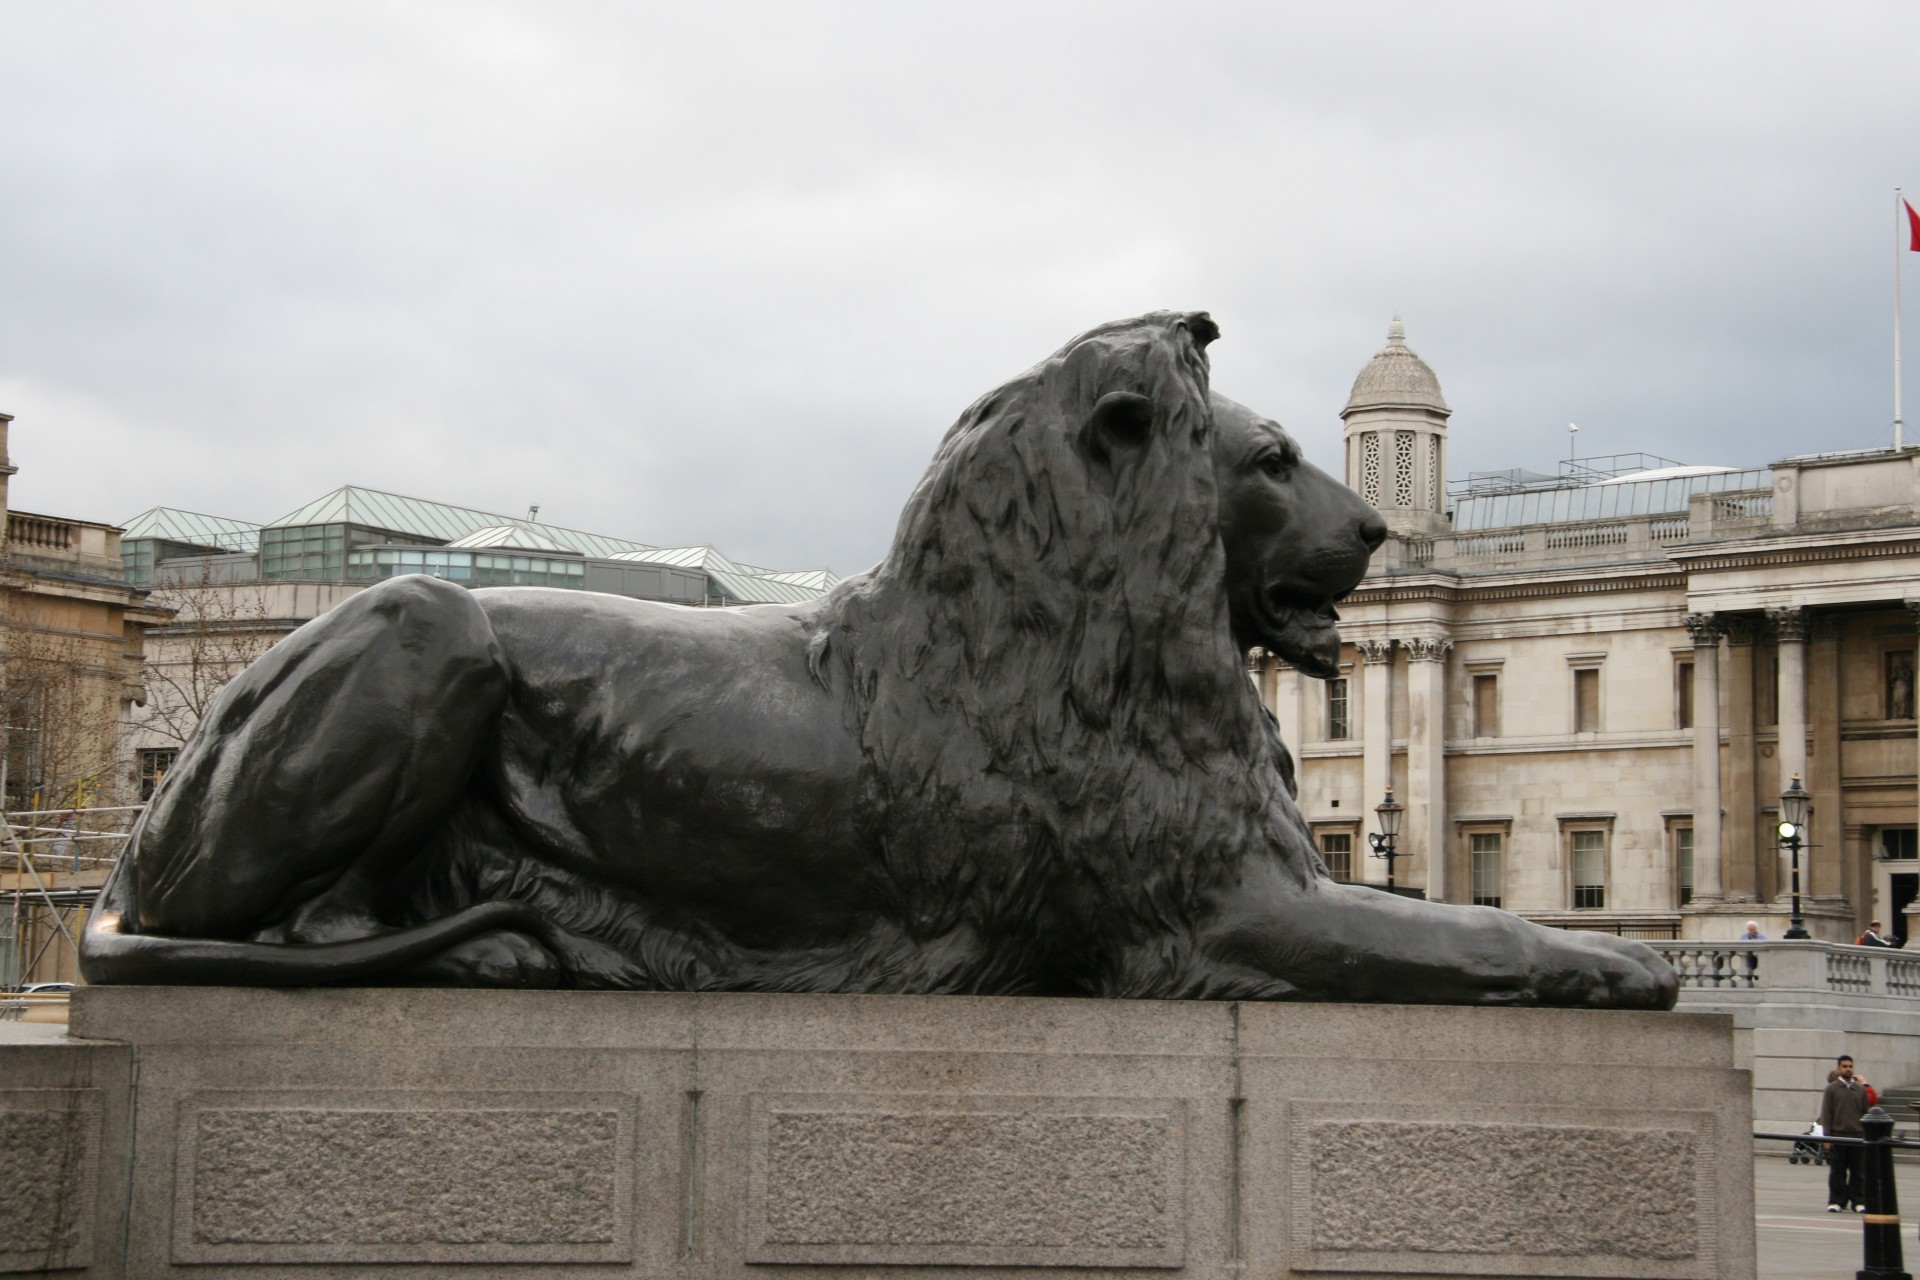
x=1799, y=1240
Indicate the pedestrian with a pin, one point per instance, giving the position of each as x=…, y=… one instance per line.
x=1841, y=1107
x=1871, y=938
x=1753, y=933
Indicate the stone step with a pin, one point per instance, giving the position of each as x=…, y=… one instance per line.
x=1903, y=1104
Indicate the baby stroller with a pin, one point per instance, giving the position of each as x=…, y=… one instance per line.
x=1808, y=1150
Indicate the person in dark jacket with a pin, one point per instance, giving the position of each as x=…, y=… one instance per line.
x=1841, y=1107
x=1872, y=937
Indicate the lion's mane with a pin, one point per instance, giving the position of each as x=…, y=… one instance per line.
x=1063, y=753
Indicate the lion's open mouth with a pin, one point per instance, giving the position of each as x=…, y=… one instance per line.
x=1303, y=630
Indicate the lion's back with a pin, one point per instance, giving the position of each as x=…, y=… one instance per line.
x=670, y=743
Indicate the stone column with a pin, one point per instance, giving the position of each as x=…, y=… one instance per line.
x=1790, y=629
x=1377, y=763
x=1741, y=878
x=1708, y=854
x=1823, y=862
x=1426, y=824
x=1289, y=705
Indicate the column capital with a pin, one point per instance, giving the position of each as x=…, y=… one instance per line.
x=1824, y=626
x=1913, y=611
x=1789, y=624
x=1706, y=628
x=1374, y=652
x=1427, y=650
x=1742, y=629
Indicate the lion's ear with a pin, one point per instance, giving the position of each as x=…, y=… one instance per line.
x=1201, y=326
x=1121, y=425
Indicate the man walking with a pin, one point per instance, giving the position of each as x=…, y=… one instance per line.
x=1841, y=1107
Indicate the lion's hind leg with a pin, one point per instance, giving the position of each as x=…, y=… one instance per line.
x=303, y=802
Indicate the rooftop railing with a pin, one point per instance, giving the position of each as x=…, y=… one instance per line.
x=1805, y=966
x=41, y=533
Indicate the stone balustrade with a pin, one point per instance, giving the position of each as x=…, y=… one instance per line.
x=42, y=533
x=81, y=544
x=1809, y=966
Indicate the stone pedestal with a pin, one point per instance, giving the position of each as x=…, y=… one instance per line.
x=210, y=1132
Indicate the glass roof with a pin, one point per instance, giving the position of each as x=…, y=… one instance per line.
x=441, y=521
x=513, y=537
x=740, y=581
x=818, y=579
x=173, y=525
x=1603, y=501
x=465, y=526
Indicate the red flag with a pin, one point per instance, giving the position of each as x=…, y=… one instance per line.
x=1913, y=224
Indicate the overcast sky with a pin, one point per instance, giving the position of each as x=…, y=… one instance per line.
x=723, y=273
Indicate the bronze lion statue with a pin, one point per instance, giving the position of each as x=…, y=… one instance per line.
x=1021, y=755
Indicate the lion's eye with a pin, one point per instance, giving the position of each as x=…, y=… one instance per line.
x=1276, y=464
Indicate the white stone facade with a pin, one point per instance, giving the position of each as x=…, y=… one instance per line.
x=1575, y=703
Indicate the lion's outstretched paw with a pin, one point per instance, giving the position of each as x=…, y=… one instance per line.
x=1613, y=973
x=502, y=959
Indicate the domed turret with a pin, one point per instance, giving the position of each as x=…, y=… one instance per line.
x=1396, y=378
x=1396, y=438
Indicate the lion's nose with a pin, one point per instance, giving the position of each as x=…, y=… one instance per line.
x=1373, y=530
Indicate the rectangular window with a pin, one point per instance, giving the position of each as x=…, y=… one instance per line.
x=154, y=764
x=1338, y=725
x=1683, y=695
x=1896, y=843
x=1586, y=700
x=1683, y=862
x=1485, y=870
x=1486, y=706
x=1336, y=848
x=1589, y=849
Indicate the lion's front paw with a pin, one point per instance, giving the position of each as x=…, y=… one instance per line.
x=1599, y=971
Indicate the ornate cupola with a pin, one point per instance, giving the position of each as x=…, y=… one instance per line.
x=1396, y=436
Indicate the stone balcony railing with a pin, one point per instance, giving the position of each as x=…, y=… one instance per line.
x=1812, y=967
x=42, y=533
x=50, y=540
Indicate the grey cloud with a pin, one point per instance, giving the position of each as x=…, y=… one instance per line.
x=725, y=273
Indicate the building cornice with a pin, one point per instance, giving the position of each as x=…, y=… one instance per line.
x=1655, y=577
x=1815, y=548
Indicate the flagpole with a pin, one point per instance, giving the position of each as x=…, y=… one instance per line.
x=1899, y=209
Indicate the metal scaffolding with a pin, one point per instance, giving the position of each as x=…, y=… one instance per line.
x=52, y=865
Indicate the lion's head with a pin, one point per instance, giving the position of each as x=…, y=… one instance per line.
x=1296, y=539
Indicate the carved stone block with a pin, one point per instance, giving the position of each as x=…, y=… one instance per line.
x=49, y=1175
x=1503, y=1197
x=404, y=1176
x=932, y=1181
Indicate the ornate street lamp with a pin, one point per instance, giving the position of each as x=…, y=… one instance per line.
x=1390, y=812
x=1795, y=804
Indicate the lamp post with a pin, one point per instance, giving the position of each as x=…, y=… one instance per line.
x=1389, y=812
x=1794, y=805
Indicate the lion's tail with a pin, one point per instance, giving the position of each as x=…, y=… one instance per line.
x=111, y=951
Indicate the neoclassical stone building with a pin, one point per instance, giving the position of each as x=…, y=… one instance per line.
x=1590, y=689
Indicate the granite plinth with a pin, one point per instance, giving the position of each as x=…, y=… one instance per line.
x=321, y=1133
